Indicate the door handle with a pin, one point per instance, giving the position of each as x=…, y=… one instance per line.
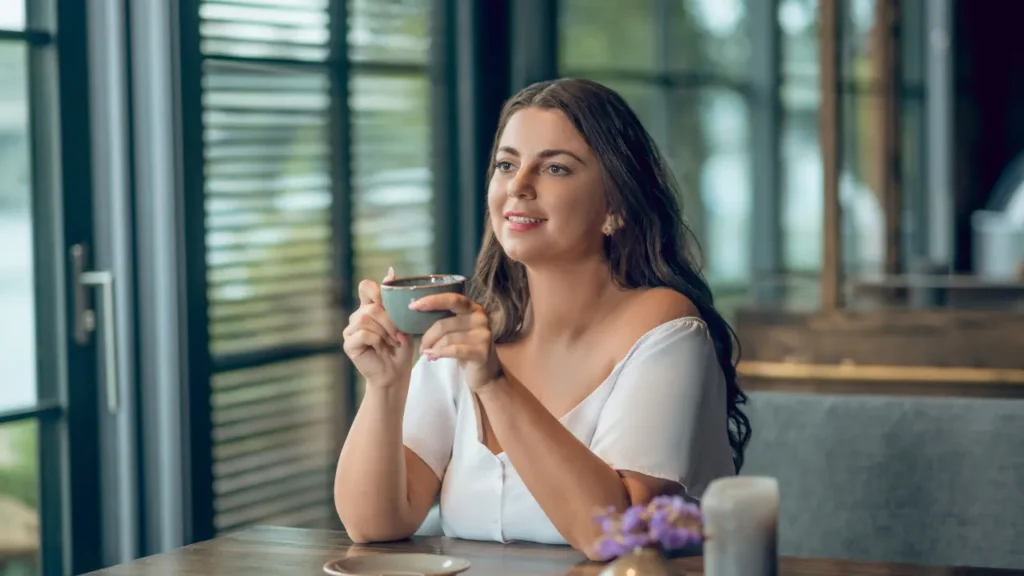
x=85, y=317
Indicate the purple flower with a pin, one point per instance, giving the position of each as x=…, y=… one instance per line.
x=668, y=522
x=633, y=519
x=609, y=547
x=632, y=541
x=676, y=538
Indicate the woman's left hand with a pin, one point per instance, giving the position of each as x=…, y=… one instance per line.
x=465, y=337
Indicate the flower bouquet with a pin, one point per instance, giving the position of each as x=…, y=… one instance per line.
x=642, y=536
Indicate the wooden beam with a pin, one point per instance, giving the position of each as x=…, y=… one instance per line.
x=881, y=373
x=889, y=78
x=829, y=126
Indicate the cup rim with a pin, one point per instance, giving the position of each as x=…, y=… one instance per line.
x=458, y=279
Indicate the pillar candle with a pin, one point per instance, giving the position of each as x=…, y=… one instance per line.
x=741, y=516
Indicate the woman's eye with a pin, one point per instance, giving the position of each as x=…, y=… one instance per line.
x=503, y=166
x=558, y=170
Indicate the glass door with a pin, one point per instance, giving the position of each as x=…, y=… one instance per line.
x=48, y=433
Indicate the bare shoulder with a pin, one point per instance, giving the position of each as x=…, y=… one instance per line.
x=645, y=310
x=654, y=306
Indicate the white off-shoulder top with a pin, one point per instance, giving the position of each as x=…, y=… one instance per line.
x=660, y=412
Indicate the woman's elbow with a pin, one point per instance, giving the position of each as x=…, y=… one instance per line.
x=367, y=530
x=585, y=542
x=371, y=534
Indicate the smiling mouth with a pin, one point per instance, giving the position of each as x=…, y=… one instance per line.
x=524, y=220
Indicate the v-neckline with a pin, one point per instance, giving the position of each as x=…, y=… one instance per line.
x=478, y=409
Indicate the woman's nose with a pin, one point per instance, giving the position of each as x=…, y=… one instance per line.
x=521, y=186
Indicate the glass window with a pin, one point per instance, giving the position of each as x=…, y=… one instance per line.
x=859, y=41
x=711, y=158
x=12, y=14
x=710, y=36
x=274, y=434
x=602, y=35
x=271, y=268
x=798, y=20
x=19, y=499
x=862, y=212
x=802, y=179
x=296, y=30
x=268, y=206
x=642, y=98
x=392, y=204
x=17, y=301
x=390, y=30
x=672, y=62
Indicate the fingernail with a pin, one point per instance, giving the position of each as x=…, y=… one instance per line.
x=391, y=271
x=414, y=304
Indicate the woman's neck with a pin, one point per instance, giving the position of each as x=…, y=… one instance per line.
x=565, y=300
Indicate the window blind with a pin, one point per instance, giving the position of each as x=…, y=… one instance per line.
x=276, y=402
x=266, y=82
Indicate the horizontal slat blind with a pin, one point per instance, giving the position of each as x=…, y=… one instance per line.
x=389, y=98
x=273, y=445
x=268, y=202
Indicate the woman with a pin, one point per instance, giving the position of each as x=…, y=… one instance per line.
x=588, y=367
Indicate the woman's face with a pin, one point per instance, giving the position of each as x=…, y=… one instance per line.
x=546, y=197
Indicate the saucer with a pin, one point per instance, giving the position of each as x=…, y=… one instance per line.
x=397, y=564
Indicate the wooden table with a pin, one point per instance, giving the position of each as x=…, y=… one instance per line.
x=276, y=551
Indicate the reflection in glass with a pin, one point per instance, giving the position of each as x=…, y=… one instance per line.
x=17, y=302
x=602, y=35
x=19, y=499
x=12, y=15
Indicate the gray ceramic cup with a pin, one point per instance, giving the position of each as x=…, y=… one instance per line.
x=397, y=294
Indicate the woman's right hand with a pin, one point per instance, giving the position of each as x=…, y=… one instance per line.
x=381, y=353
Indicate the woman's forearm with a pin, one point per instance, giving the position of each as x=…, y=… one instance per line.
x=371, y=490
x=568, y=480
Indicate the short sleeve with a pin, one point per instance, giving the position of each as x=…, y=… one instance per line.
x=428, y=426
x=666, y=415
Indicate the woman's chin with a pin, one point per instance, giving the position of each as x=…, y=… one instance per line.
x=525, y=254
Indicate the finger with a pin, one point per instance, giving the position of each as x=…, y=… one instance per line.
x=363, y=340
x=367, y=319
x=390, y=275
x=377, y=314
x=445, y=326
x=446, y=340
x=452, y=301
x=470, y=346
x=369, y=292
x=460, y=352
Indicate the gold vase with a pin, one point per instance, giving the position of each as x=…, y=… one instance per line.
x=640, y=562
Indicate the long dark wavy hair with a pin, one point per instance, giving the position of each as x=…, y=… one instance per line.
x=653, y=247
